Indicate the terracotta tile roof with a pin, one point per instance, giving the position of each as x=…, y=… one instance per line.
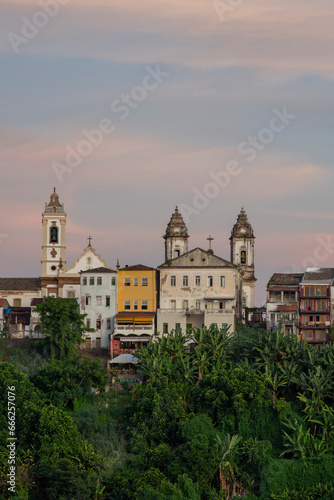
x=21, y=284
x=287, y=308
x=2, y=302
x=36, y=301
x=321, y=274
x=137, y=267
x=292, y=279
x=99, y=270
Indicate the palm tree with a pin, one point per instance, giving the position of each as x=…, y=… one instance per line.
x=228, y=469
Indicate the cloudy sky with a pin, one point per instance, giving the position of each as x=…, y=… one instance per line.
x=184, y=91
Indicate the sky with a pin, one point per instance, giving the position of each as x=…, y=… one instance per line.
x=132, y=107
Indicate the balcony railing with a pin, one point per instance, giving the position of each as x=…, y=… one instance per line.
x=219, y=311
x=131, y=328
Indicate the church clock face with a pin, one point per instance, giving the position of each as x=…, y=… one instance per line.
x=242, y=230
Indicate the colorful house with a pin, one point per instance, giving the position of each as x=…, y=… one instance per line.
x=137, y=305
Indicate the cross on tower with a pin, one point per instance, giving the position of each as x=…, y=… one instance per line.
x=89, y=239
x=210, y=239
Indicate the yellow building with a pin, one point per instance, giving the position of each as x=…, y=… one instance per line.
x=137, y=305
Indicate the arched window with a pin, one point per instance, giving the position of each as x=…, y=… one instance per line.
x=243, y=257
x=54, y=234
x=176, y=253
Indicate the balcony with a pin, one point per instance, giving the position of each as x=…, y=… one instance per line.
x=134, y=329
x=219, y=311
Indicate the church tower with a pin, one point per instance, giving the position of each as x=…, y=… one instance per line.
x=176, y=237
x=53, y=247
x=242, y=254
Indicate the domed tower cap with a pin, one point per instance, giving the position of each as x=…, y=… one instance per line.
x=54, y=200
x=176, y=226
x=242, y=226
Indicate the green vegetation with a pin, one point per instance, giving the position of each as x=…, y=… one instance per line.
x=218, y=417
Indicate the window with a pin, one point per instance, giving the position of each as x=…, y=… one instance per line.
x=210, y=280
x=243, y=257
x=198, y=305
x=244, y=302
x=84, y=281
x=320, y=335
x=165, y=328
x=107, y=300
x=176, y=253
x=127, y=281
x=222, y=304
x=308, y=335
x=71, y=294
x=135, y=281
x=88, y=323
x=53, y=234
x=108, y=323
x=113, y=281
x=222, y=281
x=184, y=304
x=209, y=304
x=173, y=304
x=135, y=304
x=144, y=304
x=17, y=302
x=321, y=305
x=99, y=300
x=99, y=280
x=177, y=327
x=144, y=282
x=88, y=300
x=224, y=326
x=315, y=291
x=127, y=305
x=98, y=324
x=197, y=281
x=91, y=281
x=173, y=281
x=189, y=327
x=185, y=281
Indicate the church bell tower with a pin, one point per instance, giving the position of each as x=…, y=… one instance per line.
x=53, y=247
x=242, y=254
x=176, y=237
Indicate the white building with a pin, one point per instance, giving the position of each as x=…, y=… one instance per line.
x=98, y=299
x=197, y=288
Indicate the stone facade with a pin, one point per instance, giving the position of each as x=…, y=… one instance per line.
x=198, y=289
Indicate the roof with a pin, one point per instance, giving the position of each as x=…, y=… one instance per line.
x=291, y=279
x=3, y=302
x=98, y=270
x=287, y=308
x=20, y=284
x=36, y=301
x=137, y=267
x=135, y=314
x=322, y=274
x=197, y=258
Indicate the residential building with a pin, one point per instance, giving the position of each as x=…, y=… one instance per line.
x=137, y=305
x=283, y=302
x=316, y=306
x=196, y=287
x=98, y=300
